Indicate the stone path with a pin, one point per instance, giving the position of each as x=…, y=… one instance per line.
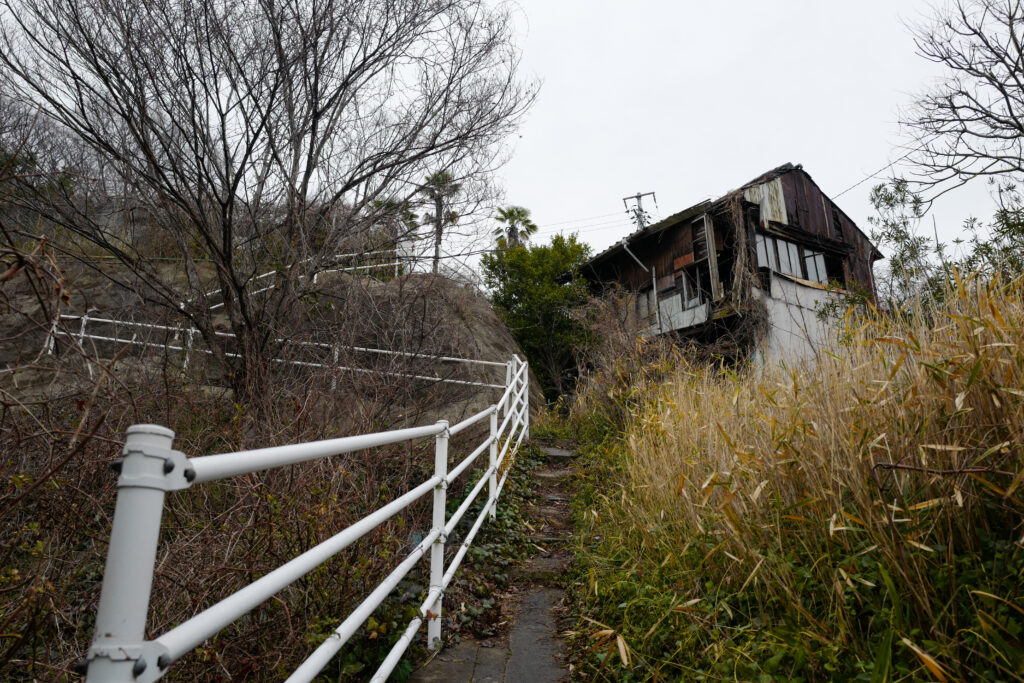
x=533, y=653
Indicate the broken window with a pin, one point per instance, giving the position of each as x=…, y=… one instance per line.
x=766, y=252
x=692, y=286
x=784, y=264
x=814, y=265
x=794, y=259
x=700, y=242
x=790, y=258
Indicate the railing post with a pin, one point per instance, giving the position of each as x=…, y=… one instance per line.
x=492, y=485
x=81, y=341
x=188, y=347
x=119, y=650
x=509, y=374
x=334, y=370
x=81, y=330
x=437, y=549
x=51, y=339
x=526, y=401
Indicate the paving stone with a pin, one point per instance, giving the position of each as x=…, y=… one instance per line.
x=537, y=652
x=557, y=453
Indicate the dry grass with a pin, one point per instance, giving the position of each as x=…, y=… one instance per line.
x=858, y=518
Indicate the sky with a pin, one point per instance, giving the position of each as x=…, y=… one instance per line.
x=693, y=99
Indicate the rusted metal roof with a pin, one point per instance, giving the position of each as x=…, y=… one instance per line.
x=764, y=190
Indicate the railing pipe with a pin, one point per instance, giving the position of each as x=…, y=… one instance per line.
x=321, y=657
x=471, y=421
x=437, y=549
x=510, y=412
x=117, y=652
x=453, y=567
x=470, y=497
x=150, y=468
x=397, y=650
x=492, y=460
x=467, y=461
x=193, y=632
x=213, y=467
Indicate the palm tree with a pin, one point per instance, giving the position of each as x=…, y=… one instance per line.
x=518, y=226
x=439, y=188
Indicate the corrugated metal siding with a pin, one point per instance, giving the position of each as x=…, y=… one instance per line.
x=776, y=199
x=791, y=198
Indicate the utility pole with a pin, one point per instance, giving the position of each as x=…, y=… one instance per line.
x=637, y=213
x=640, y=218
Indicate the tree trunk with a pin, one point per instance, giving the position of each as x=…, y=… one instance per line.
x=438, y=229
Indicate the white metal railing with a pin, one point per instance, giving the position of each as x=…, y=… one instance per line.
x=188, y=347
x=149, y=468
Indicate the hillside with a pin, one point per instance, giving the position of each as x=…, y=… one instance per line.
x=63, y=423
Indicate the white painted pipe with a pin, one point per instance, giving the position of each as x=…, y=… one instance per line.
x=193, y=632
x=213, y=467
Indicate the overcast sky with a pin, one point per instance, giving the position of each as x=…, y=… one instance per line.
x=693, y=99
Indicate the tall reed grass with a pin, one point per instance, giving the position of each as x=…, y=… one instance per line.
x=855, y=518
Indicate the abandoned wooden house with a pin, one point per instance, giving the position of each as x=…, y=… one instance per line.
x=746, y=272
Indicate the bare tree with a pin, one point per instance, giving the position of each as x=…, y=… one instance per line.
x=254, y=133
x=971, y=124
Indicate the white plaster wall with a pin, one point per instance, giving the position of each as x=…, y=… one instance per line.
x=795, y=332
x=675, y=317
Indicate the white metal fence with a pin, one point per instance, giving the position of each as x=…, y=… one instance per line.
x=150, y=468
x=184, y=340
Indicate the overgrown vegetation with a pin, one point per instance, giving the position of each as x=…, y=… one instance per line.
x=528, y=292
x=62, y=422
x=858, y=519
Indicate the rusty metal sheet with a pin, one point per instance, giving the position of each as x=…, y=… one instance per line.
x=771, y=198
x=682, y=261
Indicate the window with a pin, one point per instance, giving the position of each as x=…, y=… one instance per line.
x=766, y=257
x=690, y=291
x=811, y=267
x=794, y=258
x=814, y=263
x=784, y=264
x=790, y=258
x=700, y=243
x=762, y=252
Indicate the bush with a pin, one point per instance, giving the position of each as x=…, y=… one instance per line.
x=858, y=519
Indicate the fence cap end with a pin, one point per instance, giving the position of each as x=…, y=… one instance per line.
x=155, y=430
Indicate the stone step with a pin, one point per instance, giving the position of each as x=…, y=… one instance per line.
x=551, y=537
x=553, y=475
x=557, y=454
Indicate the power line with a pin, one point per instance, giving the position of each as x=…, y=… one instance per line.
x=873, y=175
x=580, y=220
x=591, y=228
